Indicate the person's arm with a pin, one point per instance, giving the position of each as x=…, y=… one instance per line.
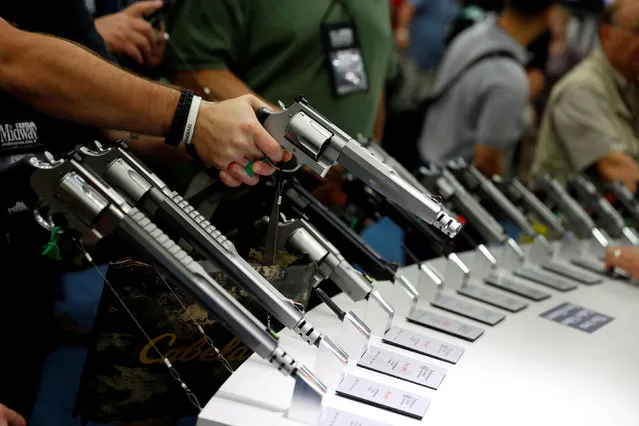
x=66, y=81
x=584, y=123
x=536, y=83
x=625, y=258
x=499, y=125
x=380, y=119
x=8, y=417
x=222, y=83
x=405, y=15
x=151, y=149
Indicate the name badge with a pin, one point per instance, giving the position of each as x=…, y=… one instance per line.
x=383, y=396
x=344, y=57
x=445, y=325
x=516, y=286
x=468, y=310
x=545, y=278
x=492, y=297
x=421, y=344
x=402, y=367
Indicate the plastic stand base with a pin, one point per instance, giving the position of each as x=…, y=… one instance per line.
x=483, y=262
x=306, y=404
x=403, y=288
x=379, y=314
x=540, y=251
x=331, y=361
x=355, y=335
x=431, y=283
x=513, y=256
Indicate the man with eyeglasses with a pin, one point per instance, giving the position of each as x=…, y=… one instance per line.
x=591, y=123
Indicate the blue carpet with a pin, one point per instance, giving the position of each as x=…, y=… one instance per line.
x=63, y=368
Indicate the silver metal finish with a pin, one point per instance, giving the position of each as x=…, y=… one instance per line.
x=484, y=262
x=457, y=272
x=303, y=237
x=319, y=144
x=513, y=255
x=121, y=170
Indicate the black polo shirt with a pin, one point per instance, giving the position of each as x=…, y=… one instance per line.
x=22, y=128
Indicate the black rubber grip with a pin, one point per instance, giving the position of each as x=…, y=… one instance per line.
x=262, y=114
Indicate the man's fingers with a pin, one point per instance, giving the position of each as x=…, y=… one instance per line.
x=142, y=8
x=133, y=52
x=287, y=156
x=144, y=28
x=263, y=169
x=240, y=174
x=9, y=417
x=268, y=145
x=228, y=180
x=143, y=44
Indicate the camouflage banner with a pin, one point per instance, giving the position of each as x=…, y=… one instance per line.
x=124, y=378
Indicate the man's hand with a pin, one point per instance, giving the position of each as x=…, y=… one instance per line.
x=625, y=258
x=9, y=417
x=128, y=33
x=228, y=136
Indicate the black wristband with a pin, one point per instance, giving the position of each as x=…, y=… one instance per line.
x=174, y=136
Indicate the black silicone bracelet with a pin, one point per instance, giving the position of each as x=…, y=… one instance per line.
x=174, y=136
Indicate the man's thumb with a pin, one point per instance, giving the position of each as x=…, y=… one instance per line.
x=142, y=8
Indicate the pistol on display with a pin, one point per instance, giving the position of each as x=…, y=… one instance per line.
x=523, y=197
x=444, y=183
x=610, y=219
x=477, y=183
x=95, y=209
x=300, y=202
x=145, y=189
x=627, y=199
x=580, y=222
x=319, y=144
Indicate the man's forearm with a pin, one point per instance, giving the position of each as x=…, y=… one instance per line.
x=618, y=166
x=67, y=81
x=151, y=149
x=223, y=84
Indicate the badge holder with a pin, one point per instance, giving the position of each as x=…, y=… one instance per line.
x=306, y=403
x=569, y=247
x=379, y=314
x=344, y=57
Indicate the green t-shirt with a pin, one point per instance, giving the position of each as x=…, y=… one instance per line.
x=275, y=48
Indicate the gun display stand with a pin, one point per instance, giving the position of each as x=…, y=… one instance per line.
x=571, y=249
x=330, y=362
x=355, y=335
x=513, y=255
x=306, y=403
x=403, y=288
x=379, y=314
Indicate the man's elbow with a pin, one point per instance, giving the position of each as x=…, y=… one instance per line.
x=489, y=161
